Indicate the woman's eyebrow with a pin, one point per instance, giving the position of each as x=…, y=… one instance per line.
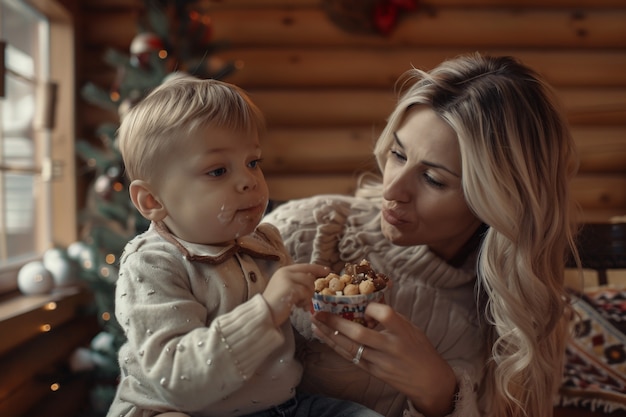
x=427, y=163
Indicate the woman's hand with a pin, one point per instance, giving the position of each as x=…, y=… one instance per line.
x=291, y=286
x=397, y=352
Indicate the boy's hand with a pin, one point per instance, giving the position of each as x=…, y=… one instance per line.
x=290, y=286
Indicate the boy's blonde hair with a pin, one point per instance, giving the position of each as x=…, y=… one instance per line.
x=178, y=108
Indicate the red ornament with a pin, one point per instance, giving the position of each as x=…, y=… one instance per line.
x=386, y=13
x=145, y=42
x=142, y=46
x=385, y=17
x=407, y=5
x=367, y=16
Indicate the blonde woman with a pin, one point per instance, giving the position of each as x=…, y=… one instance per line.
x=471, y=220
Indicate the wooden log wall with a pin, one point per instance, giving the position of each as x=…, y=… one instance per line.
x=326, y=92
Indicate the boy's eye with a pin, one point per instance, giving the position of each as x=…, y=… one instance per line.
x=255, y=163
x=216, y=172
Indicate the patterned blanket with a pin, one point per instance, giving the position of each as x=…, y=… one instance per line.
x=595, y=370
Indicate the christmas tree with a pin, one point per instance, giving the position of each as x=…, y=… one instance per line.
x=171, y=36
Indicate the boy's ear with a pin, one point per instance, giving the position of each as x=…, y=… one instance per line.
x=146, y=202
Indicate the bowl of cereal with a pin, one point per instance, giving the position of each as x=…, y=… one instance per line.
x=348, y=294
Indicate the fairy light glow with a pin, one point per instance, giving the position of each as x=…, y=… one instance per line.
x=105, y=272
x=50, y=306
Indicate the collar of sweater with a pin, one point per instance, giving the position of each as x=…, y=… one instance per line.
x=253, y=245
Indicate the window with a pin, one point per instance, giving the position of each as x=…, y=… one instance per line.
x=37, y=191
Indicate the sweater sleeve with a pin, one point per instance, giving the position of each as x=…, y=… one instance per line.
x=464, y=401
x=311, y=228
x=171, y=347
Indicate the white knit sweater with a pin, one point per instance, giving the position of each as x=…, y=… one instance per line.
x=439, y=299
x=201, y=338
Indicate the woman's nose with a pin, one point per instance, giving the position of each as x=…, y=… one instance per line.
x=397, y=187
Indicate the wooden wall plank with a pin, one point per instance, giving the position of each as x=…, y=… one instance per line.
x=380, y=67
x=601, y=148
x=207, y=5
x=101, y=34
x=224, y=4
x=349, y=149
x=371, y=107
x=109, y=4
x=464, y=27
x=600, y=216
x=594, y=106
x=338, y=150
x=600, y=191
x=478, y=28
x=288, y=187
x=526, y=3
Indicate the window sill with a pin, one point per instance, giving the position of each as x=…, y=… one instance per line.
x=41, y=332
x=27, y=316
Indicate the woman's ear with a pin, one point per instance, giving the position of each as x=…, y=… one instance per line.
x=146, y=202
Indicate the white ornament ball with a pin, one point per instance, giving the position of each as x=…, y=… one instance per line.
x=51, y=254
x=74, y=250
x=103, y=342
x=145, y=42
x=34, y=279
x=63, y=270
x=81, y=360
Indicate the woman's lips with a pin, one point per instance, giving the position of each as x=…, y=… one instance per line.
x=393, y=218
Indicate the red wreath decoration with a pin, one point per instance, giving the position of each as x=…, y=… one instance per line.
x=368, y=16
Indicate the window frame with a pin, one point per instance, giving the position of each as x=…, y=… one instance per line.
x=59, y=168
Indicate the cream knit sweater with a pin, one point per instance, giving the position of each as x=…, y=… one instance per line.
x=201, y=338
x=439, y=299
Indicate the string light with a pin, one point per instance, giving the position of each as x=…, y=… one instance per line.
x=104, y=271
x=110, y=258
x=50, y=306
x=106, y=316
x=55, y=386
x=45, y=327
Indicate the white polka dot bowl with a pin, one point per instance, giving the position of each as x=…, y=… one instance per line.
x=350, y=307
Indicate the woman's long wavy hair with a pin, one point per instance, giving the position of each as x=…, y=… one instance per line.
x=518, y=158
